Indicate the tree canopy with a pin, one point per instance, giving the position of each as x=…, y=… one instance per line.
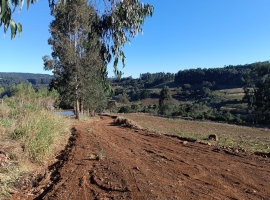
x=228, y=75
x=257, y=92
x=76, y=64
x=165, y=101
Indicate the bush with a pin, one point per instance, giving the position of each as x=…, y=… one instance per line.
x=126, y=109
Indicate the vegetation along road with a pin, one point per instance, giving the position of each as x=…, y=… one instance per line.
x=105, y=161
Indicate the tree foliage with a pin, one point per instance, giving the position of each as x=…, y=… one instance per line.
x=229, y=75
x=38, y=80
x=165, y=101
x=7, y=8
x=123, y=98
x=75, y=63
x=151, y=80
x=257, y=92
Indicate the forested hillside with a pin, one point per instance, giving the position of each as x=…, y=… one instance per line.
x=228, y=75
x=37, y=80
x=233, y=93
x=231, y=75
x=25, y=75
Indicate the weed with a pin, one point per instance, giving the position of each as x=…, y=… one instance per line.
x=100, y=154
x=8, y=178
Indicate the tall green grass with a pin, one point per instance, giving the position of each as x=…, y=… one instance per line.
x=38, y=131
x=29, y=133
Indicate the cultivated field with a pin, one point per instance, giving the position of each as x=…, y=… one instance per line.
x=240, y=137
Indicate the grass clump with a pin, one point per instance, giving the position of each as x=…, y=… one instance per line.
x=38, y=131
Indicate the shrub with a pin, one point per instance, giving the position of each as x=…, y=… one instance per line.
x=126, y=109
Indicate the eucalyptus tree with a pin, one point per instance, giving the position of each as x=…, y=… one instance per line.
x=76, y=64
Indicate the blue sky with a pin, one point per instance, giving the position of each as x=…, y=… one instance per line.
x=182, y=34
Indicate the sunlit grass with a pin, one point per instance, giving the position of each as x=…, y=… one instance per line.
x=30, y=136
x=242, y=137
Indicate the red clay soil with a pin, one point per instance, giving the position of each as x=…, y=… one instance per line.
x=105, y=162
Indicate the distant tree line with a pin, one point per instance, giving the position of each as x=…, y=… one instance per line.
x=7, y=81
x=25, y=75
x=146, y=80
x=37, y=80
x=229, y=75
x=151, y=80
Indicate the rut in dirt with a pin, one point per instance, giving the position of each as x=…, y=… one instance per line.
x=103, y=161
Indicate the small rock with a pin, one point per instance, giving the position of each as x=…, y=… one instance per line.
x=209, y=144
x=250, y=191
x=213, y=137
x=228, y=170
x=236, y=151
x=185, y=142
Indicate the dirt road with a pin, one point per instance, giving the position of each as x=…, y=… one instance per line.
x=103, y=161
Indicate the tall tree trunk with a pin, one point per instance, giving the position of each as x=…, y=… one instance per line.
x=81, y=105
x=77, y=103
x=77, y=109
x=88, y=113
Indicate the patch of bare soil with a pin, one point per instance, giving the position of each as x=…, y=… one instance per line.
x=103, y=161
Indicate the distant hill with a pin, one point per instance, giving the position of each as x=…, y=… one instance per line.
x=25, y=75
x=229, y=75
x=37, y=80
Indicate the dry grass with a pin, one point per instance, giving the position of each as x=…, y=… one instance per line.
x=121, y=121
x=233, y=91
x=248, y=138
x=150, y=101
x=30, y=136
x=232, y=94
